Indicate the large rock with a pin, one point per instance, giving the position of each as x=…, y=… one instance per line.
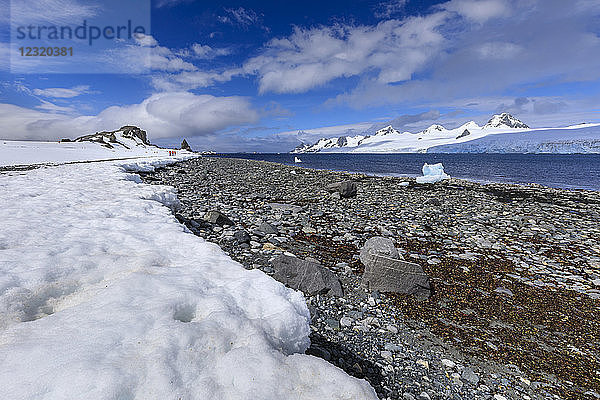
x=215, y=217
x=378, y=245
x=267, y=228
x=386, y=272
x=185, y=145
x=307, y=276
x=345, y=189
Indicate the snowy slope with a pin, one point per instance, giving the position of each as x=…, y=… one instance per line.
x=580, y=139
x=390, y=140
x=87, y=148
x=104, y=295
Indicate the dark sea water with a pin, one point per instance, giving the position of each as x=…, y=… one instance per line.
x=568, y=171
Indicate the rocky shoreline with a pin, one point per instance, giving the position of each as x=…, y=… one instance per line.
x=515, y=274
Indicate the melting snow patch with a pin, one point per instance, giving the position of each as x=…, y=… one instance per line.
x=432, y=173
x=104, y=295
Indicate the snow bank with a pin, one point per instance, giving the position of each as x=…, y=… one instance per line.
x=432, y=173
x=27, y=153
x=104, y=295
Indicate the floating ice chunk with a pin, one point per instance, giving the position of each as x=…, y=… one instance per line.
x=297, y=160
x=432, y=173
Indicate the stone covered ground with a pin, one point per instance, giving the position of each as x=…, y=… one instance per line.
x=515, y=274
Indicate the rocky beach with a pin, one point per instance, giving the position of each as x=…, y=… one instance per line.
x=512, y=308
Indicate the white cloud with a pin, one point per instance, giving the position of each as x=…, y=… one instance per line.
x=25, y=12
x=207, y=52
x=479, y=11
x=188, y=80
x=309, y=58
x=539, y=42
x=240, y=16
x=498, y=50
x=389, y=8
x=63, y=93
x=162, y=115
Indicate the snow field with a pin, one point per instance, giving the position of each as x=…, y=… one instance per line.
x=104, y=295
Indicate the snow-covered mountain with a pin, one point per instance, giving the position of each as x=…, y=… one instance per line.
x=576, y=139
x=438, y=138
x=124, y=143
x=126, y=136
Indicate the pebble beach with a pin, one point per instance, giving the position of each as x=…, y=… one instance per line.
x=514, y=270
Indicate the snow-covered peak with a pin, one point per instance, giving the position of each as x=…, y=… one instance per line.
x=471, y=125
x=434, y=128
x=385, y=131
x=301, y=148
x=505, y=120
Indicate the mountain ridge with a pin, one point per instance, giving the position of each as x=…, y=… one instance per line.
x=390, y=140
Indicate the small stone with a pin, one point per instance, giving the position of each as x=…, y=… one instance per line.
x=448, y=363
x=423, y=364
x=241, y=237
x=346, y=321
x=333, y=323
x=392, y=329
x=387, y=355
x=216, y=217
x=424, y=396
x=468, y=375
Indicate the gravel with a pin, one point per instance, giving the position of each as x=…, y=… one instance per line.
x=514, y=308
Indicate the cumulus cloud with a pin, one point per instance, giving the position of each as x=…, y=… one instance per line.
x=479, y=60
x=478, y=10
x=309, y=58
x=516, y=107
x=162, y=115
x=62, y=93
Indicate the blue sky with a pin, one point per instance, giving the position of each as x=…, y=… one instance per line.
x=263, y=76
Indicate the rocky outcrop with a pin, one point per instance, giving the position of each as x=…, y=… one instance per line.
x=185, y=145
x=465, y=133
x=111, y=138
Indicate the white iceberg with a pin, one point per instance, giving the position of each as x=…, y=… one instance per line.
x=297, y=160
x=432, y=173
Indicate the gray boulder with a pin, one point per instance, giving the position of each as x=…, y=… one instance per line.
x=345, y=189
x=307, y=276
x=216, y=217
x=378, y=245
x=386, y=272
x=267, y=228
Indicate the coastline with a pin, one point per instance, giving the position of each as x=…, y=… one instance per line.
x=560, y=171
x=513, y=270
